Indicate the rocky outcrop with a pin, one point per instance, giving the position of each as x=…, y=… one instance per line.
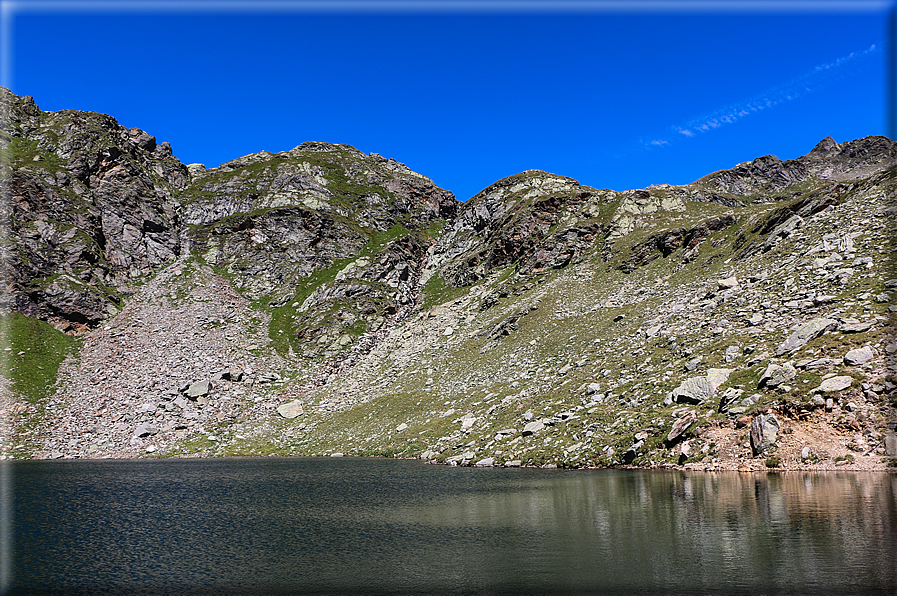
x=92, y=208
x=765, y=175
x=532, y=221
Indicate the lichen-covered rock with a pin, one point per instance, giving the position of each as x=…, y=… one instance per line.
x=697, y=390
x=290, y=409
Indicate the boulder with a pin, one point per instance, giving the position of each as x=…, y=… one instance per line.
x=680, y=426
x=146, y=429
x=630, y=454
x=728, y=398
x=532, y=427
x=291, y=409
x=859, y=356
x=755, y=319
x=805, y=332
x=506, y=432
x=727, y=283
x=775, y=375
x=467, y=422
x=718, y=376
x=695, y=391
x=733, y=353
x=856, y=326
x=593, y=388
x=891, y=445
x=764, y=429
x=198, y=389
x=834, y=384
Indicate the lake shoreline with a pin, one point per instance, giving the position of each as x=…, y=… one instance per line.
x=757, y=465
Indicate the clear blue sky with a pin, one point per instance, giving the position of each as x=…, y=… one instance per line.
x=614, y=98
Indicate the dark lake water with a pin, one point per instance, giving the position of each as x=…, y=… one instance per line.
x=352, y=526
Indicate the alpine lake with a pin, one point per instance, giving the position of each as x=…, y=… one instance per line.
x=380, y=526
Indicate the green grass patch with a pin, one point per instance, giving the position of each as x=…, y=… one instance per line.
x=436, y=292
x=33, y=351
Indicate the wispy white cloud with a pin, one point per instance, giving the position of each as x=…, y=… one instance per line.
x=813, y=80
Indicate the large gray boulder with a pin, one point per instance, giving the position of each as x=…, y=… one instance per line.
x=859, y=356
x=697, y=390
x=834, y=384
x=805, y=332
x=764, y=429
x=290, y=409
x=693, y=391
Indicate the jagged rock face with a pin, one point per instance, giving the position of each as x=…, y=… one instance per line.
x=533, y=220
x=96, y=206
x=853, y=160
x=92, y=206
x=337, y=180
x=272, y=220
x=325, y=231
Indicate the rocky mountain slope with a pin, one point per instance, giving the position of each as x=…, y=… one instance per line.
x=323, y=301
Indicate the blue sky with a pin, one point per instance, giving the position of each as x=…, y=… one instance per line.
x=615, y=95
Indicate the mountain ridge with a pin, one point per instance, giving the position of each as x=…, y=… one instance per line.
x=326, y=301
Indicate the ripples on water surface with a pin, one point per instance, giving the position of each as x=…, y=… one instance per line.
x=351, y=526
